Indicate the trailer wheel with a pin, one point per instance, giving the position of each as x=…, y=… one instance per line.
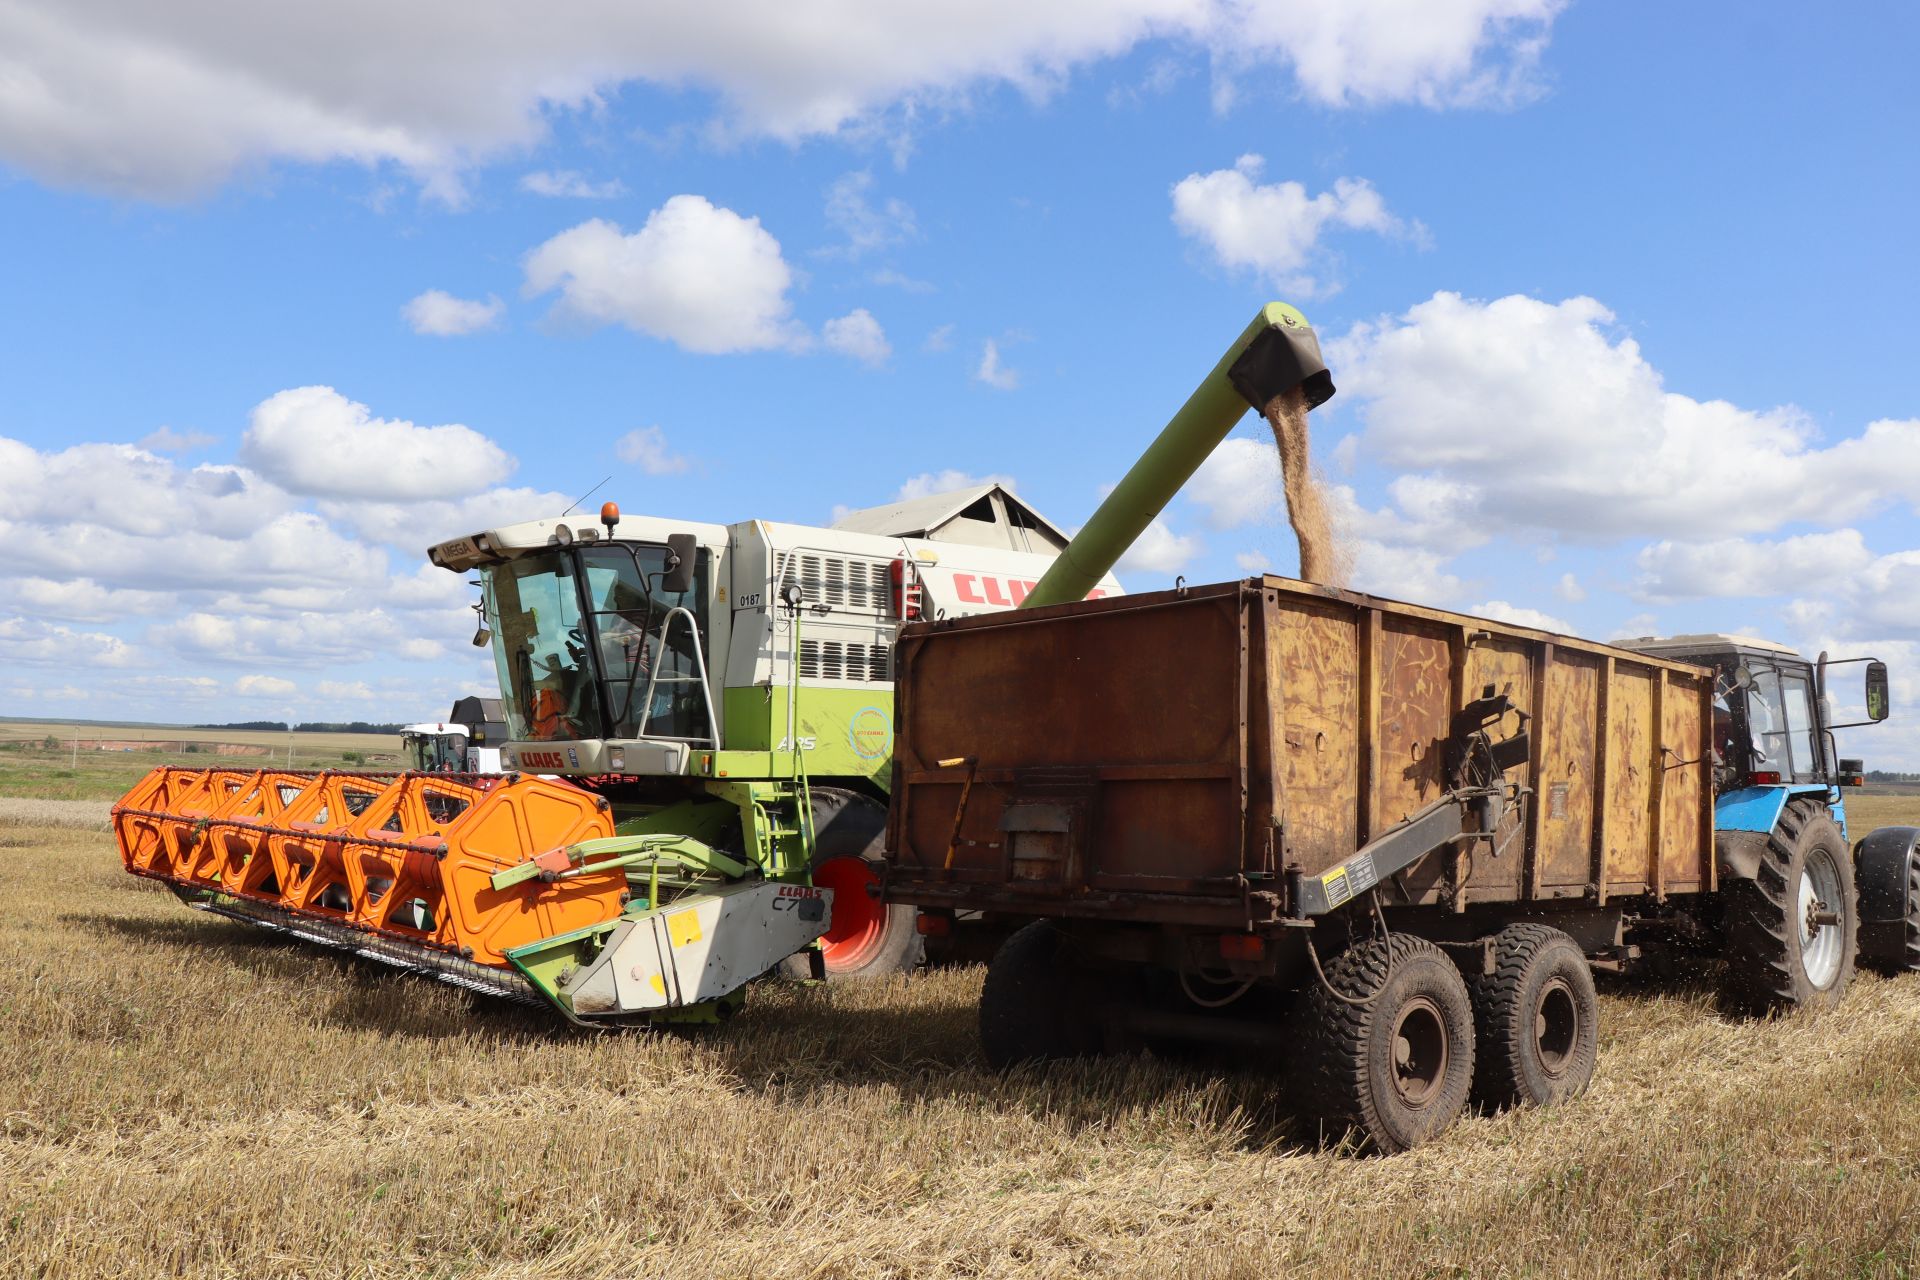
x=865, y=938
x=1034, y=1006
x=1536, y=1019
x=1886, y=868
x=1791, y=922
x=1396, y=1069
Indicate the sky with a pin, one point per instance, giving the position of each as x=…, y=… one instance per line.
x=1618, y=299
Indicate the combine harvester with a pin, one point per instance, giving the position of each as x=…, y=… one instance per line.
x=1381, y=845
x=699, y=733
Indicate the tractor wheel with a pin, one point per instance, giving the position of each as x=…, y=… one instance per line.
x=1887, y=873
x=1791, y=922
x=1535, y=1020
x=865, y=938
x=1034, y=1006
x=1394, y=1069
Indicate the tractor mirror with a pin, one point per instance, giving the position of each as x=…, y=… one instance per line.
x=682, y=548
x=1742, y=678
x=1878, y=701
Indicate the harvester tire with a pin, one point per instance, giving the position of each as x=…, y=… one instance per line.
x=1791, y=921
x=866, y=938
x=1887, y=875
x=1034, y=1006
x=1536, y=1020
x=1389, y=1061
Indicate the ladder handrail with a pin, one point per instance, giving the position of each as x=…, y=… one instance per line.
x=699, y=660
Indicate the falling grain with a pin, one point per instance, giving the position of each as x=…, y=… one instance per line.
x=1323, y=558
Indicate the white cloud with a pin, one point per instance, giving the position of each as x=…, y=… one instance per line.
x=1274, y=230
x=297, y=639
x=1569, y=589
x=1160, y=550
x=167, y=440
x=992, y=372
x=702, y=277
x=931, y=482
x=258, y=686
x=1520, y=616
x=164, y=101
x=1458, y=53
x=83, y=599
x=31, y=642
x=940, y=339
x=858, y=335
x=416, y=525
x=313, y=440
x=1240, y=484
x=1739, y=567
x=1523, y=415
x=889, y=278
x=1253, y=561
x=570, y=184
x=865, y=226
x=646, y=448
x=442, y=315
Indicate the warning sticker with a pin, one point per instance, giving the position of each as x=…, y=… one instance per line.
x=1362, y=873
x=1337, y=886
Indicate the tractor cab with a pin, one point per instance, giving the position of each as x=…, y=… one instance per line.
x=1773, y=717
x=438, y=747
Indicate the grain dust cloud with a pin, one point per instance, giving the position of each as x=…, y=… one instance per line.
x=1323, y=558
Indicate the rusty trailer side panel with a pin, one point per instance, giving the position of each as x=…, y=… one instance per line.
x=1168, y=757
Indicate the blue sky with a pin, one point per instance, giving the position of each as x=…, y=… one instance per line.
x=1618, y=298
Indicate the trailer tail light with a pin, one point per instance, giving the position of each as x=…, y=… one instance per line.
x=1765, y=778
x=1243, y=946
x=906, y=590
x=932, y=926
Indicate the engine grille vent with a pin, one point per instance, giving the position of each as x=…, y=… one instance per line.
x=836, y=660
x=842, y=583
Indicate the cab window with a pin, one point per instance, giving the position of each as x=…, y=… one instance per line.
x=1796, y=705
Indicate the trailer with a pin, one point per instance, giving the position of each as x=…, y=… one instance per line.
x=1383, y=845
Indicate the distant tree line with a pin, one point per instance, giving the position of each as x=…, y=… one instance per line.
x=311, y=726
x=1887, y=775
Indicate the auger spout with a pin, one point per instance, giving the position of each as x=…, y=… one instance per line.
x=1278, y=352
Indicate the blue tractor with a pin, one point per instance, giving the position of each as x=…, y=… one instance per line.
x=1804, y=900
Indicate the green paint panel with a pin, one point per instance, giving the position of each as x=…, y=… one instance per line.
x=843, y=733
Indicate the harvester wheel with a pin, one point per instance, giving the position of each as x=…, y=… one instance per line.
x=1390, y=1060
x=1536, y=1020
x=1887, y=874
x=1791, y=922
x=1034, y=1006
x=866, y=938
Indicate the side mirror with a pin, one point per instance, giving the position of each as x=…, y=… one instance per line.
x=1879, y=703
x=1742, y=678
x=682, y=549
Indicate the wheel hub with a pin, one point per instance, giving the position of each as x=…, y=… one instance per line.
x=1819, y=919
x=1556, y=1027
x=1420, y=1052
x=859, y=921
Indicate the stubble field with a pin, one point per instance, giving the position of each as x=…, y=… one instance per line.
x=183, y=1096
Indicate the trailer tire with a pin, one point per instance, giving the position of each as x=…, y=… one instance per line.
x=866, y=938
x=1791, y=923
x=1395, y=1070
x=1035, y=1006
x=1887, y=874
x=1536, y=1020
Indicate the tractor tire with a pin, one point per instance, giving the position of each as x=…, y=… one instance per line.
x=1036, y=1003
x=1792, y=920
x=1536, y=1020
x=1396, y=1069
x=865, y=938
x=1886, y=867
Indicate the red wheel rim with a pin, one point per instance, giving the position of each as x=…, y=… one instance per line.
x=859, y=920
